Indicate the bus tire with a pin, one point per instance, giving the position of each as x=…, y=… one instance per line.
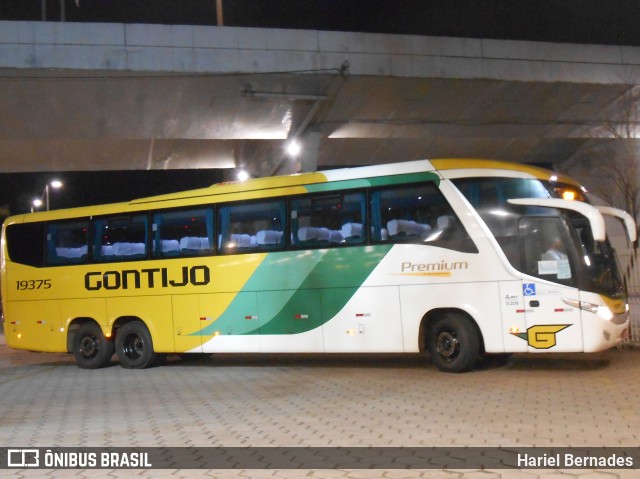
x=90, y=348
x=453, y=343
x=134, y=346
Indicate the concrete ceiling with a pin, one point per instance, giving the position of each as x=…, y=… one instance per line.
x=66, y=120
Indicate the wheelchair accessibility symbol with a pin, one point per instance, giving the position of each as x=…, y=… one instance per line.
x=529, y=289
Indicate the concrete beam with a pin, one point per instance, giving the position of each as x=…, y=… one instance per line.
x=207, y=49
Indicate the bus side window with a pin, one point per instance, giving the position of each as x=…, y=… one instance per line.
x=182, y=233
x=66, y=242
x=25, y=243
x=417, y=214
x=251, y=227
x=326, y=220
x=120, y=238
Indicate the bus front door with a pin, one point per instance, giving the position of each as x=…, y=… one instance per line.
x=550, y=285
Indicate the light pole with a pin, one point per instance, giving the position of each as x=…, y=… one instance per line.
x=37, y=203
x=219, y=14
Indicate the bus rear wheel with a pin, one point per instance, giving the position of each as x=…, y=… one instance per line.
x=453, y=343
x=134, y=346
x=90, y=348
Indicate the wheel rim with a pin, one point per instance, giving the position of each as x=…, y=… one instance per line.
x=448, y=345
x=89, y=346
x=133, y=346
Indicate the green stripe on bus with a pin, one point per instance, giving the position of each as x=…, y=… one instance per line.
x=337, y=186
x=287, y=270
x=404, y=178
x=332, y=283
x=331, y=278
x=374, y=181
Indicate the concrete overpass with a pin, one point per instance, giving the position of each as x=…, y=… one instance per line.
x=79, y=96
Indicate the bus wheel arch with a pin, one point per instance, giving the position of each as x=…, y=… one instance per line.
x=134, y=344
x=87, y=342
x=452, y=338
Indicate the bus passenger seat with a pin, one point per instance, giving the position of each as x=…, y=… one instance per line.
x=308, y=233
x=72, y=253
x=170, y=247
x=443, y=224
x=408, y=228
x=351, y=230
x=243, y=240
x=193, y=244
x=268, y=237
x=128, y=249
x=106, y=251
x=335, y=236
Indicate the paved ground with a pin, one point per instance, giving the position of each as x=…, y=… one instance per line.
x=293, y=400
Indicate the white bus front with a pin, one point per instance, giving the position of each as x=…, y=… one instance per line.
x=571, y=296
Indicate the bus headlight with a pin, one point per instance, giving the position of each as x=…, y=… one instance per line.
x=602, y=311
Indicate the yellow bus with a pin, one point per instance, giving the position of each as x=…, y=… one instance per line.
x=457, y=258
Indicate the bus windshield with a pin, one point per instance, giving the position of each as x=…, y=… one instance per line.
x=599, y=261
x=548, y=243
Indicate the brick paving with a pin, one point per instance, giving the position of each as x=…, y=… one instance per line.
x=301, y=400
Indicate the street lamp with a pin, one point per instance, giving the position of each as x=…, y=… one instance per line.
x=37, y=203
x=293, y=147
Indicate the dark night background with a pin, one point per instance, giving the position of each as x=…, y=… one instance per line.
x=18, y=190
x=578, y=21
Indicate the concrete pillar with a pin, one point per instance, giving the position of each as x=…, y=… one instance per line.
x=308, y=159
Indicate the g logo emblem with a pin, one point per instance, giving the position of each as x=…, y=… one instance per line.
x=542, y=336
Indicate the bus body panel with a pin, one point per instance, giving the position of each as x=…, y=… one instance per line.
x=477, y=300
x=369, y=322
x=600, y=334
x=241, y=313
x=552, y=324
x=513, y=317
x=187, y=320
x=35, y=325
x=294, y=313
x=155, y=311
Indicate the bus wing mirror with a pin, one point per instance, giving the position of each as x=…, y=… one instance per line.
x=596, y=221
x=629, y=223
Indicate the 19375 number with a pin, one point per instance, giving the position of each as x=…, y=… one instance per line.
x=33, y=284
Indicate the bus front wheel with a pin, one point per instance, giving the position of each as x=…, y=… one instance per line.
x=134, y=346
x=453, y=343
x=90, y=348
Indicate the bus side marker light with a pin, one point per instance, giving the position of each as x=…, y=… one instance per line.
x=514, y=329
x=351, y=332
